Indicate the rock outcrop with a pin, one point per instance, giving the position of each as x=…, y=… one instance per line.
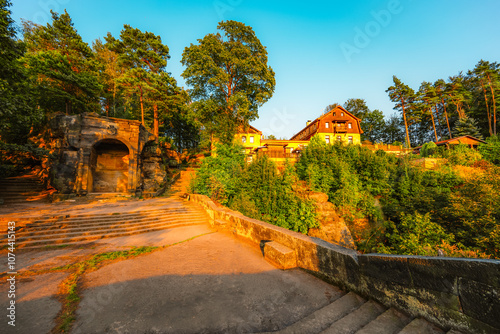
x=333, y=228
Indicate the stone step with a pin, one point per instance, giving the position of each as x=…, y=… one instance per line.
x=421, y=326
x=98, y=222
x=31, y=232
x=357, y=319
x=389, y=322
x=93, y=231
x=110, y=234
x=324, y=317
x=108, y=217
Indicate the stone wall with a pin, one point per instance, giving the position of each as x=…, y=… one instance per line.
x=454, y=293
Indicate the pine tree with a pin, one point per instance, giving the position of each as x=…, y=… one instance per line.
x=144, y=57
x=229, y=78
x=467, y=126
x=17, y=114
x=62, y=65
x=403, y=96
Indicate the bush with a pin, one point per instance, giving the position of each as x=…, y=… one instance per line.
x=428, y=149
x=256, y=190
x=491, y=150
x=416, y=234
x=218, y=177
x=462, y=155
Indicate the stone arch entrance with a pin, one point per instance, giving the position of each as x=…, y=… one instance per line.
x=109, y=163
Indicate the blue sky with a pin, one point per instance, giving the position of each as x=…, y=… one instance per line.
x=322, y=51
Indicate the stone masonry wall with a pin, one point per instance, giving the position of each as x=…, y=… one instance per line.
x=457, y=293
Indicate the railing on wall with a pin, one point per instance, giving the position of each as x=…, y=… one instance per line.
x=278, y=154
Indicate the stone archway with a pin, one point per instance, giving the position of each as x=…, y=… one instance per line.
x=109, y=163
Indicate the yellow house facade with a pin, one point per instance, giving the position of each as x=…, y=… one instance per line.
x=336, y=125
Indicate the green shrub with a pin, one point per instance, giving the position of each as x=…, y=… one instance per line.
x=491, y=150
x=218, y=177
x=462, y=155
x=428, y=149
x=416, y=234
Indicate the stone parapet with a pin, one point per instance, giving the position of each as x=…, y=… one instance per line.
x=458, y=293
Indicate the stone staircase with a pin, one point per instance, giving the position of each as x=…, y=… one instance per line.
x=75, y=229
x=22, y=189
x=352, y=314
x=181, y=186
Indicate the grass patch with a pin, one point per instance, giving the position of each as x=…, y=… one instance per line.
x=50, y=247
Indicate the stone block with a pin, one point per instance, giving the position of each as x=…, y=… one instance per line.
x=281, y=256
x=480, y=301
x=389, y=268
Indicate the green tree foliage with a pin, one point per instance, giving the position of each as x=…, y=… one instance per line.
x=218, y=177
x=179, y=126
x=440, y=106
x=63, y=66
x=416, y=234
x=372, y=122
x=394, y=130
x=351, y=175
x=403, y=96
x=144, y=57
x=229, y=78
x=466, y=126
x=491, y=150
x=257, y=190
x=17, y=113
x=428, y=149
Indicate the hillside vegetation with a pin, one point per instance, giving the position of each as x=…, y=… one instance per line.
x=453, y=209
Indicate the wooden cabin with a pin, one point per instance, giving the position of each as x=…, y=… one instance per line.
x=470, y=141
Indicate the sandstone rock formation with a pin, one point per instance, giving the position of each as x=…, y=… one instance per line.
x=101, y=154
x=333, y=228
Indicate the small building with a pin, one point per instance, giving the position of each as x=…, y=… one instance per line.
x=470, y=141
x=250, y=138
x=336, y=125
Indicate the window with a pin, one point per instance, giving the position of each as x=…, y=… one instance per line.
x=327, y=125
x=342, y=114
x=291, y=149
x=243, y=139
x=327, y=139
x=349, y=126
x=339, y=138
x=350, y=140
x=251, y=139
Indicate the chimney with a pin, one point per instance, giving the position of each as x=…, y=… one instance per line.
x=308, y=122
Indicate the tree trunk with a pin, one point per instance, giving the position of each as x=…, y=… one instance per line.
x=406, y=124
x=488, y=114
x=433, y=124
x=156, y=124
x=446, y=116
x=494, y=105
x=438, y=121
x=142, y=107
